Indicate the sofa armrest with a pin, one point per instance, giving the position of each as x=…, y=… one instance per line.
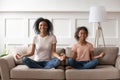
x=6, y=63
x=117, y=64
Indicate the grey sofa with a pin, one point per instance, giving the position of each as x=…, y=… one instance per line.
x=108, y=68
x=13, y=69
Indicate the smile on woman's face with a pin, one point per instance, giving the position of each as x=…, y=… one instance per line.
x=43, y=27
x=82, y=35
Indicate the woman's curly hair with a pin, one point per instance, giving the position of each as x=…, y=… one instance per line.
x=49, y=24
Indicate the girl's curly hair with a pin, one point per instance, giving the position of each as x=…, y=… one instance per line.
x=77, y=31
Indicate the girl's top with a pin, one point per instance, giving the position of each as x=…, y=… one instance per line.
x=83, y=51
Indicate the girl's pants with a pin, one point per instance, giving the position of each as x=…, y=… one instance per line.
x=82, y=64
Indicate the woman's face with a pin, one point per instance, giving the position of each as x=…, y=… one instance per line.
x=43, y=27
x=82, y=35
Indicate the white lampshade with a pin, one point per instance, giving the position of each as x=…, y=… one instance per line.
x=97, y=14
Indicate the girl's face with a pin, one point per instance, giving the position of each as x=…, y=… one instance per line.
x=82, y=35
x=43, y=27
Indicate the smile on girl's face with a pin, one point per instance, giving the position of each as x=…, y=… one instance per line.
x=43, y=26
x=82, y=35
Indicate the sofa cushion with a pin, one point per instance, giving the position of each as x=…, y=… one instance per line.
x=22, y=71
x=109, y=58
x=100, y=72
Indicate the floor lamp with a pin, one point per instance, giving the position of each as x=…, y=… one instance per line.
x=97, y=15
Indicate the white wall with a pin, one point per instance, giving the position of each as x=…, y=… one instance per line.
x=17, y=18
x=57, y=5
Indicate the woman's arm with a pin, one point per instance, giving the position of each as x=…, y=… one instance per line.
x=55, y=54
x=30, y=52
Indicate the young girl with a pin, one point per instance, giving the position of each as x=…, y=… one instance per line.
x=83, y=57
x=43, y=47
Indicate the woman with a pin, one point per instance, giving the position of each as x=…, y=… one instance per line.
x=43, y=47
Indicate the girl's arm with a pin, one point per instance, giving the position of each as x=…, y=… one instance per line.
x=74, y=55
x=97, y=56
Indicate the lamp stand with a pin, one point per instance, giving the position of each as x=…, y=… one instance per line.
x=99, y=33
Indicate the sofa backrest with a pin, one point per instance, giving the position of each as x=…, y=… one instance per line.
x=24, y=50
x=110, y=57
x=111, y=54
